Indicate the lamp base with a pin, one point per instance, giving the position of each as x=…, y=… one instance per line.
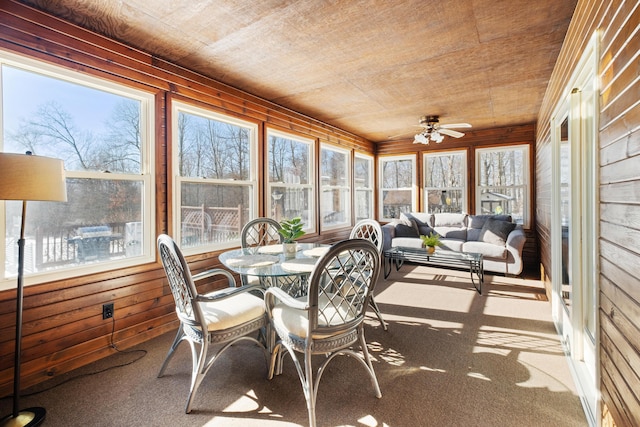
x=29, y=417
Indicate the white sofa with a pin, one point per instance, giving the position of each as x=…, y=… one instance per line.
x=496, y=237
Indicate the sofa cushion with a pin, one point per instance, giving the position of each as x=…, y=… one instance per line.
x=495, y=231
x=408, y=221
x=421, y=220
x=459, y=233
x=406, y=242
x=450, y=220
x=403, y=230
x=452, y=244
x=488, y=250
x=425, y=230
x=476, y=222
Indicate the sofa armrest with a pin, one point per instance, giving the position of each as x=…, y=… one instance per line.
x=515, y=241
x=515, y=245
x=388, y=233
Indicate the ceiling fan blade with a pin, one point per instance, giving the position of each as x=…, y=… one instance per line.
x=453, y=133
x=455, y=125
x=402, y=134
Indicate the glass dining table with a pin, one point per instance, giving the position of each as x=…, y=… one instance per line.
x=272, y=268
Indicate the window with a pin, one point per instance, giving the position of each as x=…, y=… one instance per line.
x=215, y=177
x=335, y=187
x=445, y=181
x=363, y=184
x=104, y=134
x=290, y=178
x=397, y=186
x=502, y=182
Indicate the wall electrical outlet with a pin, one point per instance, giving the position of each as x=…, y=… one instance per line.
x=107, y=311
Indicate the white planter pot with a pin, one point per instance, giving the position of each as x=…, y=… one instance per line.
x=289, y=249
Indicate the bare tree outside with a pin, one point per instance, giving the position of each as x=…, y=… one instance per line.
x=214, y=175
x=121, y=151
x=397, y=183
x=290, y=178
x=364, y=187
x=53, y=127
x=288, y=160
x=102, y=154
x=502, y=178
x=445, y=182
x=91, y=202
x=335, y=200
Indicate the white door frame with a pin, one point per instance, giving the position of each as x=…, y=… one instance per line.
x=578, y=325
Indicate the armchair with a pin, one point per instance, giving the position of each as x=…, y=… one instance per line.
x=221, y=317
x=328, y=321
x=370, y=229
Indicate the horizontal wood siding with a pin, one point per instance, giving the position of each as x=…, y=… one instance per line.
x=63, y=326
x=618, y=23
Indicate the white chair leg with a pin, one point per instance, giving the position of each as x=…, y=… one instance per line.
x=274, y=363
x=197, y=373
x=172, y=349
x=367, y=359
x=310, y=392
x=376, y=310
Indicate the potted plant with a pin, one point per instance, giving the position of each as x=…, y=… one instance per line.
x=431, y=241
x=291, y=231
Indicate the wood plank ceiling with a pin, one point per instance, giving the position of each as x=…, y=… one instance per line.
x=369, y=67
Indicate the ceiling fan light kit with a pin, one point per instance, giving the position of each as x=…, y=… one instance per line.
x=435, y=132
x=425, y=136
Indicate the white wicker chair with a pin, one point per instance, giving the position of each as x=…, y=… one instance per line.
x=370, y=229
x=228, y=315
x=260, y=232
x=329, y=320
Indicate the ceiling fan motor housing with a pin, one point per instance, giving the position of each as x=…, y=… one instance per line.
x=429, y=121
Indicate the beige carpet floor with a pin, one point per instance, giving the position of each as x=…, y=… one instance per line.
x=451, y=357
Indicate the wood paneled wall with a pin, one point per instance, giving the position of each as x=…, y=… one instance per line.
x=618, y=22
x=63, y=326
x=512, y=135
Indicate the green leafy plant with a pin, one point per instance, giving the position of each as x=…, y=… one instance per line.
x=431, y=240
x=291, y=229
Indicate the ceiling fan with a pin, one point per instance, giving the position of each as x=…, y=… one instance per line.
x=435, y=132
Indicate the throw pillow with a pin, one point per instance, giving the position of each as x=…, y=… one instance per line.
x=425, y=230
x=496, y=231
x=477, y=221
x=403, y=230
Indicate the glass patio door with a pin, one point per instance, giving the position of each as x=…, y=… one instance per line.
x=574, y=228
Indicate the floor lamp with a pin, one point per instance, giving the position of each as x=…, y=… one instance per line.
x=25, y=177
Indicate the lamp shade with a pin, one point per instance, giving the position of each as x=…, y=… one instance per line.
x=28, y=177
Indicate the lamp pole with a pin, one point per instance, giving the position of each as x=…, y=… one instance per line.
x=29, y=417
x=27, y=177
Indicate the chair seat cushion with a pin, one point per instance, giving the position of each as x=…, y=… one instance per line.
x=296, y=321
x=232, y=311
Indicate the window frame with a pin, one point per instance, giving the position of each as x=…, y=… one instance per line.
x=381, y=161
x=464, y=189
x=347, y=188
x=146, y=176
x=369, y=187
x=310, y=225
x=177, y=107
x=525, y=173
